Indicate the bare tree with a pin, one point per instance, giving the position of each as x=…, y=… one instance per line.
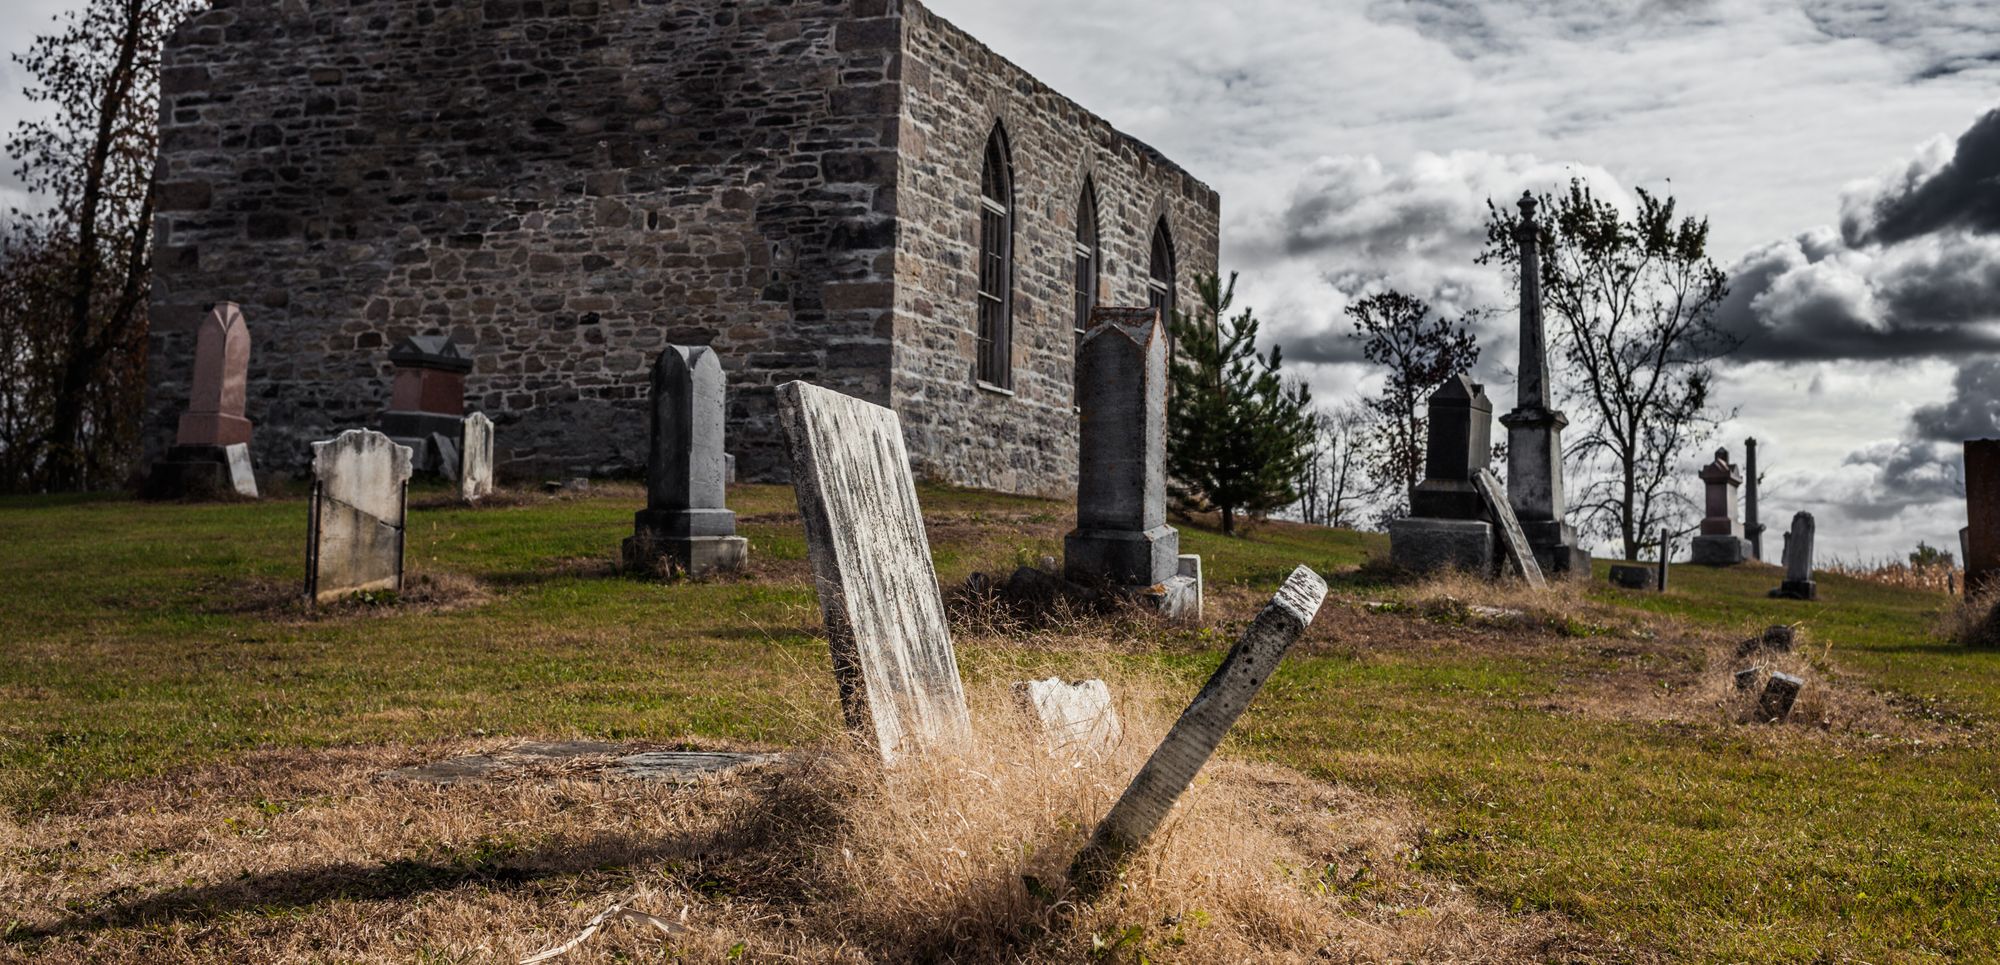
x=88, y=255
x=1421, y=351
x=1637, y=297
x=1333, y=484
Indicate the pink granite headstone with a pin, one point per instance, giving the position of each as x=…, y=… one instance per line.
x=221, y=373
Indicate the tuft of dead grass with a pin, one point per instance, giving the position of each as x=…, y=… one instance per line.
x=1973, y=621
x=296, y=855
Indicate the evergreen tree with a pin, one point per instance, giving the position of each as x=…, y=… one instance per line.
x=1238, y=433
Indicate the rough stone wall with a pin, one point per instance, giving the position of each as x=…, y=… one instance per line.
x=955, y=90
x=564, y=185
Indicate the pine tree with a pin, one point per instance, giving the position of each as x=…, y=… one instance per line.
x=1238, y=433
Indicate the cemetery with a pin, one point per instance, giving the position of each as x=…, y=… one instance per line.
x=426, y=615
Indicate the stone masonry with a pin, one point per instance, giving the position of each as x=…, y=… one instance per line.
x=569, y=186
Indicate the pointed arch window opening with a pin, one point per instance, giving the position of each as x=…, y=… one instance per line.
x=1160, y=281
x=996, y=265
x=1089, y=258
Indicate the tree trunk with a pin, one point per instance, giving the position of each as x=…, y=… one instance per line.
x=1228, y=520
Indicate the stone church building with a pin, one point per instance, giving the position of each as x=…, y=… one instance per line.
x=851, y=192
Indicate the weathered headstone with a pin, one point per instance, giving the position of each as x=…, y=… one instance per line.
x=1200, y=729
x=211, y=451
x=475, y=473
x=1747, y=677
x=1633, y=577
x=355, y=538
x=885, y=620
x=1519, y=552
x=686, y=518
x=1982, y=513
x=1780, y=693
x=1721, y=542
x=1121, y=536
x=1072, y=717
x=1799, y=583
x=1534, y=428
x=1753, y=529
x=1447, y=526
x=427, y=401
x=1965, y=554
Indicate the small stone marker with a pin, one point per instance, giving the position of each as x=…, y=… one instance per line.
x=1072, y=717
x=1780, y=692
x=885, y=619
x=1200, y=729
x=1512, y=538
x=1121, y=536
x=686, y=518
x=1721, y=542
x=1747, y=677
x=211, y=451
x=475, y=473
x=1632, y=577
x=355, y=538
x=1799, y=583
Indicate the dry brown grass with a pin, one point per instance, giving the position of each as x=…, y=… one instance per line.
x=1936, y=579
x=302, y=856
x=1973, y=621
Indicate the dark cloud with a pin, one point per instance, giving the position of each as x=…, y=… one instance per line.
x=1972, y=411
x=1906, y=474
x=1962, y=192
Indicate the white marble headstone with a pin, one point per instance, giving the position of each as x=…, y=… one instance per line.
x=1072, y=717
x=355, y=541
x=475, y=474
x=885, y=619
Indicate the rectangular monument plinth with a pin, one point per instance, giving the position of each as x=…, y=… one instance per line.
x=1122, y=556
x=698, y=541
x=202, y=472
x=1423, y=545
x=1556, y=550
x=1716, y=550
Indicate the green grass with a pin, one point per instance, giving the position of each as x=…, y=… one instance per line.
x=139, y=638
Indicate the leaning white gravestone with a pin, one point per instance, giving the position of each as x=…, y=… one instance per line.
x=475, y=453
x=885, y=619
x=1511, y=535
x=1200, y=729
x=355, y=540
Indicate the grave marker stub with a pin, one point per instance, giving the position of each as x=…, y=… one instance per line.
x=1200, y=729
x=475, y=473
x=885, y=620
x=355, y=537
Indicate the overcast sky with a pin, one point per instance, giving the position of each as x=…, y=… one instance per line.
x=1836, y=146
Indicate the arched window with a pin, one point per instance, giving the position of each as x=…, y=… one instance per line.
x=996, y=264
x=1160, y=280
x=1088, y=257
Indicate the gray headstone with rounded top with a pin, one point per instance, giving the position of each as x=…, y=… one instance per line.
x=1799, y=583
x=355, y=537
x=885, y=620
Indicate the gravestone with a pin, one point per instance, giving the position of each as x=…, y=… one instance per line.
x=1780, y=693
x=355, y=537
x=1072, y=717
x=211, y=451
x=1447, y=527
x=1982, y=513
x=686, y=519
x=1799, y=583
x=1200, y=729
x=1721, y=542
x=1121, y=536
x=1534, y=428
x=427, y=401
x=885, y=620
x=1746, y=678
x=1632, y=577
x=475, y=473
x=1753, y=529
x=1518, y=550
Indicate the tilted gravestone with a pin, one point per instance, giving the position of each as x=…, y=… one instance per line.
x=211, y=451
x=475, y=473
x=354, y=541
x=1071, y=716
x=885, y=620
x=1121, y=536
x=686, y=518
x=1780, y=693
x=1519, y=552
x=1200, y=729
x=1721, y=542
x=1447, y=526
x=1982, y=514
x=1799, y=583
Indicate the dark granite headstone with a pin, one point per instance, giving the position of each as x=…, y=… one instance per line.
x=1982, y=513
x=1780, y=693
x=686, y=519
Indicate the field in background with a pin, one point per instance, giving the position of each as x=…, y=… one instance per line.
x=1578, y=771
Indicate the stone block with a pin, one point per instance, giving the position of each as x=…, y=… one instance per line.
x=1422, y=545
x=1634, y=577
x=355, y=536
x=1200, y=729
x=1189, y=567
x=1711, y=550
x=1780, y=693
x=885, y=621
x=1122, y=557
x=1073, y=718
x=1177, y=598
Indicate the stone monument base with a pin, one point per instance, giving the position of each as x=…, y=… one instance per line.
x=1796, y=590
x=1426, y=545
x=1633, y=577
x=1121, y=556
x=202, y=472
x=1556, y=550
x=433, y=438
x=1720, y=551
x=693, y=555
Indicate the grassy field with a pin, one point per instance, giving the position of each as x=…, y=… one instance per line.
x=1581, y=770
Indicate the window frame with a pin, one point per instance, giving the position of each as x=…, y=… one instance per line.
x=1087, y=251
x=993, y=334
x=1162, y=276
